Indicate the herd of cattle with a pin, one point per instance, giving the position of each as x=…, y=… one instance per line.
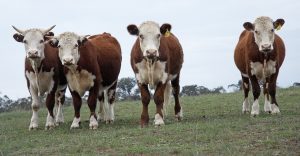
x=93, y=63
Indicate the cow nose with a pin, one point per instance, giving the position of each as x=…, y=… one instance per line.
x=151, y=53
x=266, y=47
x=68, y=61
x=33, y=53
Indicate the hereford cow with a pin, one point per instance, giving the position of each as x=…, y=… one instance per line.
x=156, y=59
x=44, y=74
x=90, y=64
x=259, y=55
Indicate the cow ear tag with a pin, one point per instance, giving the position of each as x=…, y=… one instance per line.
x=278, y=27
x=167, y=33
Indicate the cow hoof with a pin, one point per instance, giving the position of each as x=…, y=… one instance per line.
x=254, y=114
x=109, y=121
x=75, y=123
x=93, y=122
x=268, y=112
x=267, y=108
x=158, y=120
x=179, y=116
x=275, y=109
x=33, y=127
x=49, y=127
x=246, y=111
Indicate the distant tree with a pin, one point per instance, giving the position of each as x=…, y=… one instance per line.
x=190, y=90
x=203, y=90
x=218, y=90
x=296, y=84
x=236, y=87
x=136, y=94
x=125, y=85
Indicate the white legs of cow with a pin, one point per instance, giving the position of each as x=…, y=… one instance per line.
x=246, y=106
x=75, y=123
x=59, y=117
x=255, y=108
x=93, y=122
x=35, y=107
x=106, y=110
x=267, y=105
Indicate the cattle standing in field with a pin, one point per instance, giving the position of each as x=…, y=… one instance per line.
x=44, y=74
x=258, y=55
x=156, y=59
x=90, y=64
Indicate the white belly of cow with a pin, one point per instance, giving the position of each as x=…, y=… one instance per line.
x=152, y=74
x=80, y=81
x=262, y=71
x=43, y=82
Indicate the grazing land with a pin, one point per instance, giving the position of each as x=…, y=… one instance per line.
x=212, y=125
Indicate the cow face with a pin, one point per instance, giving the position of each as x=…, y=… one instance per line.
x=68, y=44
x=149, y=34
x=264, y=34
x=34, y=41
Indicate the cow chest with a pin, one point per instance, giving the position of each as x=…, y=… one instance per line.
x=41, y=81
x=151, y=73
x=80, y=81
x=263, y=70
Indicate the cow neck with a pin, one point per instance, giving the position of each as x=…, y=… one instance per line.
x=151, y=66
x=37, y=65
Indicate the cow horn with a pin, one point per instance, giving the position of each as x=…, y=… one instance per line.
x=18, y=30
x=47, y=30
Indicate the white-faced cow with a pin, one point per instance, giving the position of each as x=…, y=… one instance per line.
x=156, y=59
x=259, y=55
x=90, y=64
x=44, y=74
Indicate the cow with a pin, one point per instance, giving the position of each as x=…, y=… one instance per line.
x=156, y=60
x=259, y=55
x=90, y=64
x=43, y=73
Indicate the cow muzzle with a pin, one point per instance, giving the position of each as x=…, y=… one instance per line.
x=33, y=54
x=151, y=54
x=68, y=62
x=266, y=48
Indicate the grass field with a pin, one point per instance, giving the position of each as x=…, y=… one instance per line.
x=212, y=125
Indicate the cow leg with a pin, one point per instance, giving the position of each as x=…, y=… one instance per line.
x=92, y=103
x=59, y=99
x=145, y=95
x=246, y=104
x=159, y=100
x=267, y=105
x=176, y=90
x=35, y=105
x=256, y=93
x=101, y=112
x=272, y=92
x=50, y=101
x=77, y=105
x=111, y=99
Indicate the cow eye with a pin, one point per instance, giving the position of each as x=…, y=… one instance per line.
x=75, y=46
x=58, y=46
x=158, y=35
x=256, y=32
x=41, y=41
x=25, y=41
x=141, y=36
x=272, y=30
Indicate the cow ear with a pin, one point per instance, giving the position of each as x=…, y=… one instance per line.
x=278, y=23
x=82, y=40
x=133, y=29
x=18, y=37
x=248, y=26
x=165, y=28
x=53, y=42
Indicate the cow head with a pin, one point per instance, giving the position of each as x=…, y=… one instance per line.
x=149, y=34
x=264, y=34
x=34, y=41
x=68, y=44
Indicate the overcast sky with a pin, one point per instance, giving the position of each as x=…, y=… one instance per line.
x=207, y=30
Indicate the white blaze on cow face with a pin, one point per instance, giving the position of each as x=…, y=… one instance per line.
x=264, y=33
x=68, y=44
x=149, y=37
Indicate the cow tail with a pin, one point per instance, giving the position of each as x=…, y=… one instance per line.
x=167, y=97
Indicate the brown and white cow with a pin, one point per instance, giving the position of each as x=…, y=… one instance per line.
x=90, y=64
x=156, y=59
x=44, y=74
x=258, y=55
